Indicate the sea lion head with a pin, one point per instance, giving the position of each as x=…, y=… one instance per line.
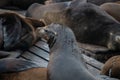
x=56, y=34
x=46, y=34
x=114, y=41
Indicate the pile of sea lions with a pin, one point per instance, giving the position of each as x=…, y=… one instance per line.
x=62, y=24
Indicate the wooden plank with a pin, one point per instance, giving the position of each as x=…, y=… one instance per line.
x=40, y=52
x=39, y=61
x=43, y=45
x=92, y=62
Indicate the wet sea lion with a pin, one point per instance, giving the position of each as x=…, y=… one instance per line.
x=112, y=67
x=113, y=9
x=66, y=61
x=17, y=32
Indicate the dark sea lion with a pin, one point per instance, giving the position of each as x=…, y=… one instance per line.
x=104, y=31
x=66, y=61
x=112, y=67
x=17, y=32
x=113, y=9
x=118, y=2
x=99, y=2
x=19, y=4
x=37, y=11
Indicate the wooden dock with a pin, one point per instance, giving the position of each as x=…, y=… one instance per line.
x=39, y=53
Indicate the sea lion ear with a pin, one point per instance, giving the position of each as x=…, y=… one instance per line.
x=8, y=65
x=35, y=23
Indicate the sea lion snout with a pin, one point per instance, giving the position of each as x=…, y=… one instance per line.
x=114, y=43
x=45, y=33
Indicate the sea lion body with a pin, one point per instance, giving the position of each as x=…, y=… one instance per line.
x=104, y=31
x=30, y=74
x=36, y=8
x=66, y=61
x=19, y=4
x=112, y=67
x=99, y=2
x=113, y=9
x=18, y=31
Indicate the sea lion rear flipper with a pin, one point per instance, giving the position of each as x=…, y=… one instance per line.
x=15, y=65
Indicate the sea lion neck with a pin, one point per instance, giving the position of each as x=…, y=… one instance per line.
x=66, y=61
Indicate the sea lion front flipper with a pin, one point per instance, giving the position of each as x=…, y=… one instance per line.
x=15, y=65
x=4, y=54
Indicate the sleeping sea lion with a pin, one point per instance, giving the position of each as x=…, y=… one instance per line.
x=113, y=9
x=111, y=67
x=17, y=32
x=20, y=69
x=18, y=4
x=105, y=31
x=99, y=2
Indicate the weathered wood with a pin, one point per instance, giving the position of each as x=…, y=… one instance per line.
x=92, y=62
x=39, y=53
x=41, y=49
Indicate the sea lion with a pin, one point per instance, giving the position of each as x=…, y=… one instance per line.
x=37, y=11
x=113, y=9
x=18, y=4
x=20, y=69
x=17, y=32
x=30, y=74
x=35, y=8
x=66, y=61
x=112, y=67
x=55, y=1
x=99, y=2
x=104, y=31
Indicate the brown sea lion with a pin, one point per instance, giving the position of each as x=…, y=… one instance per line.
x=41, y=9
x=20, y=69
x=112, y=67
x=113, y=9
x=66, y=61
x=37, y=11
x=30, y=74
